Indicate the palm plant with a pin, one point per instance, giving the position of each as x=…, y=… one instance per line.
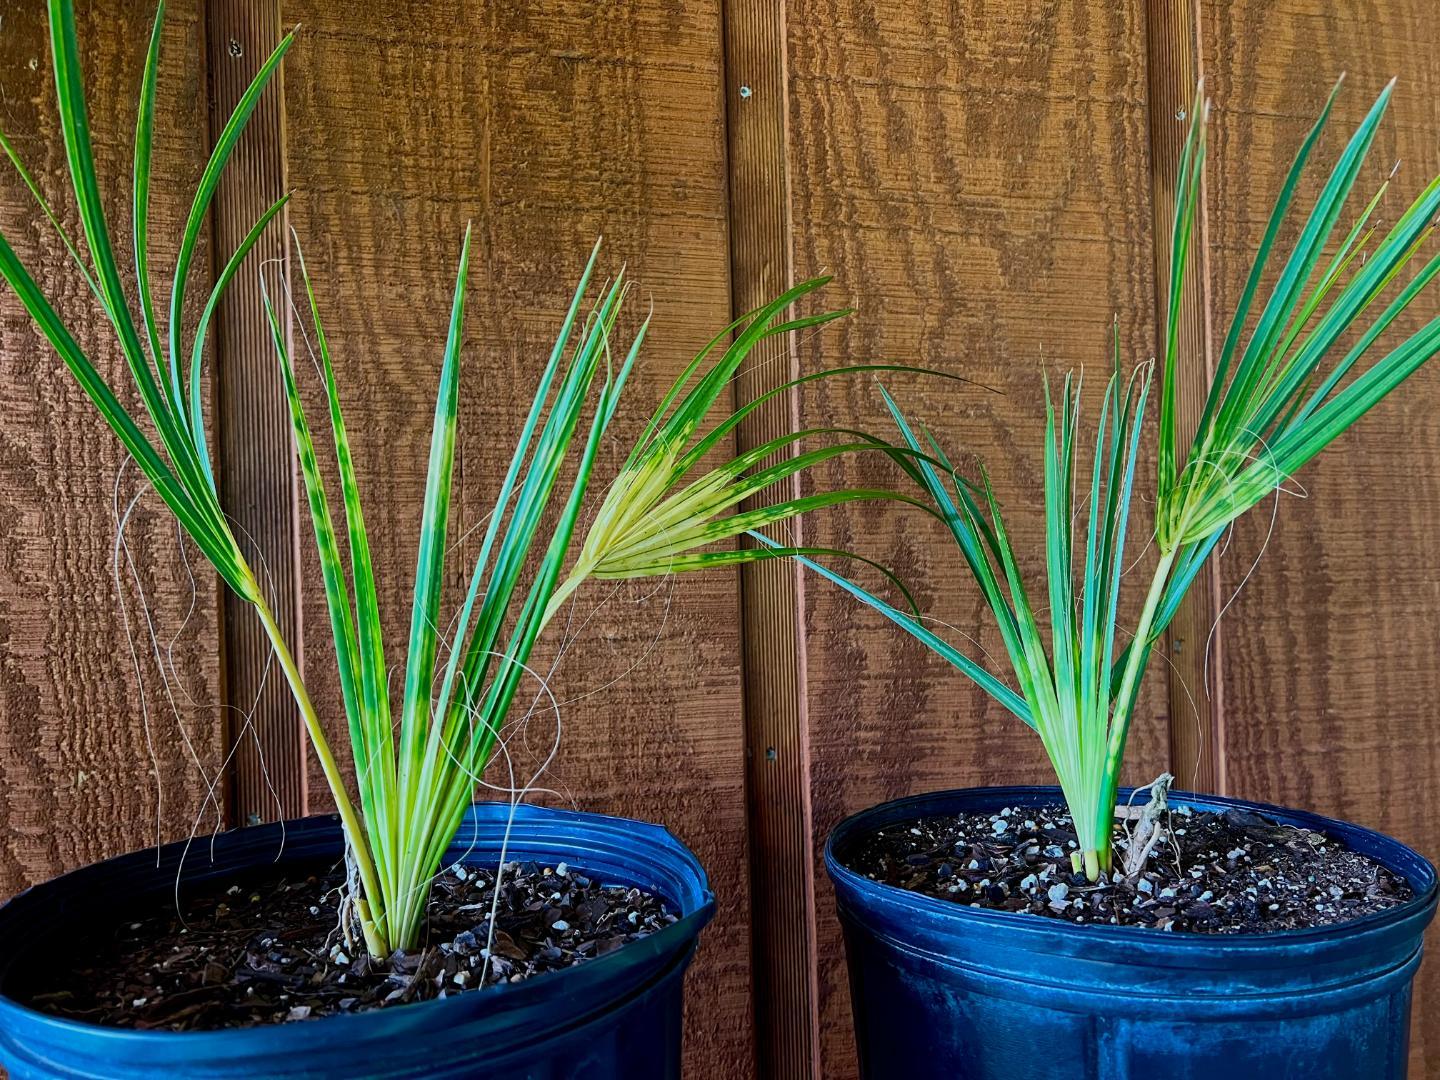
x=1275, y=403
x=416, y=771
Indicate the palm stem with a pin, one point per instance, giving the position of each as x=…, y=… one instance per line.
x=562, y=593
x=371, y=905
x=1099, y=845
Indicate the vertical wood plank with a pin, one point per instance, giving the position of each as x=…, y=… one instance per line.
x=1193, y=641
x=976, y=176
x=256, y=462
x=777, y=745
x=1330, y=674
x=91, y=766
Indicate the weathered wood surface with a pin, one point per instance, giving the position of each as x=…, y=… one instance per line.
x=985, y=180
x=777, y=751
x=255, y=449
x=977, y=179
x=1329, y=676
x=84, y=775
x=1193, y=643
x=546, y=124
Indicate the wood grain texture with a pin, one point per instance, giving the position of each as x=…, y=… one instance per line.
x=256, y=451
x=777, y=745
x=1330, y=680
x=84, y=775
x=977, y=178
x=989, y=181
x=546, y=123
x=1193, y=643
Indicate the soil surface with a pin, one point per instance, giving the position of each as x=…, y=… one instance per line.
x=270, y=950
x=1235, y=872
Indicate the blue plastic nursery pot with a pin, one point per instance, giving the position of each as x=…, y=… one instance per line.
x=616, y=1017
x=941, y=989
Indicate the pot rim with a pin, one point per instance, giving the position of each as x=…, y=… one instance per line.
x=1421, y=876
x=458, y=1008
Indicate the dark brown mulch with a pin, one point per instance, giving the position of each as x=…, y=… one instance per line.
x=1235, y=872
x=269, y=950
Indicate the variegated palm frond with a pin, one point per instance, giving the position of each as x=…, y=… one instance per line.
x=417, y=759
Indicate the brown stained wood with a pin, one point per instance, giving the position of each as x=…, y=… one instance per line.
x=546, y=124
x=977, y=179
x=777, y=751
x=990, y=182
x=256, y=477
x=1330, y=681
x=79, y=766
x=1193, y=642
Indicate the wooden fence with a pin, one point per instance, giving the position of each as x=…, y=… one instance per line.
x=989, y=181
